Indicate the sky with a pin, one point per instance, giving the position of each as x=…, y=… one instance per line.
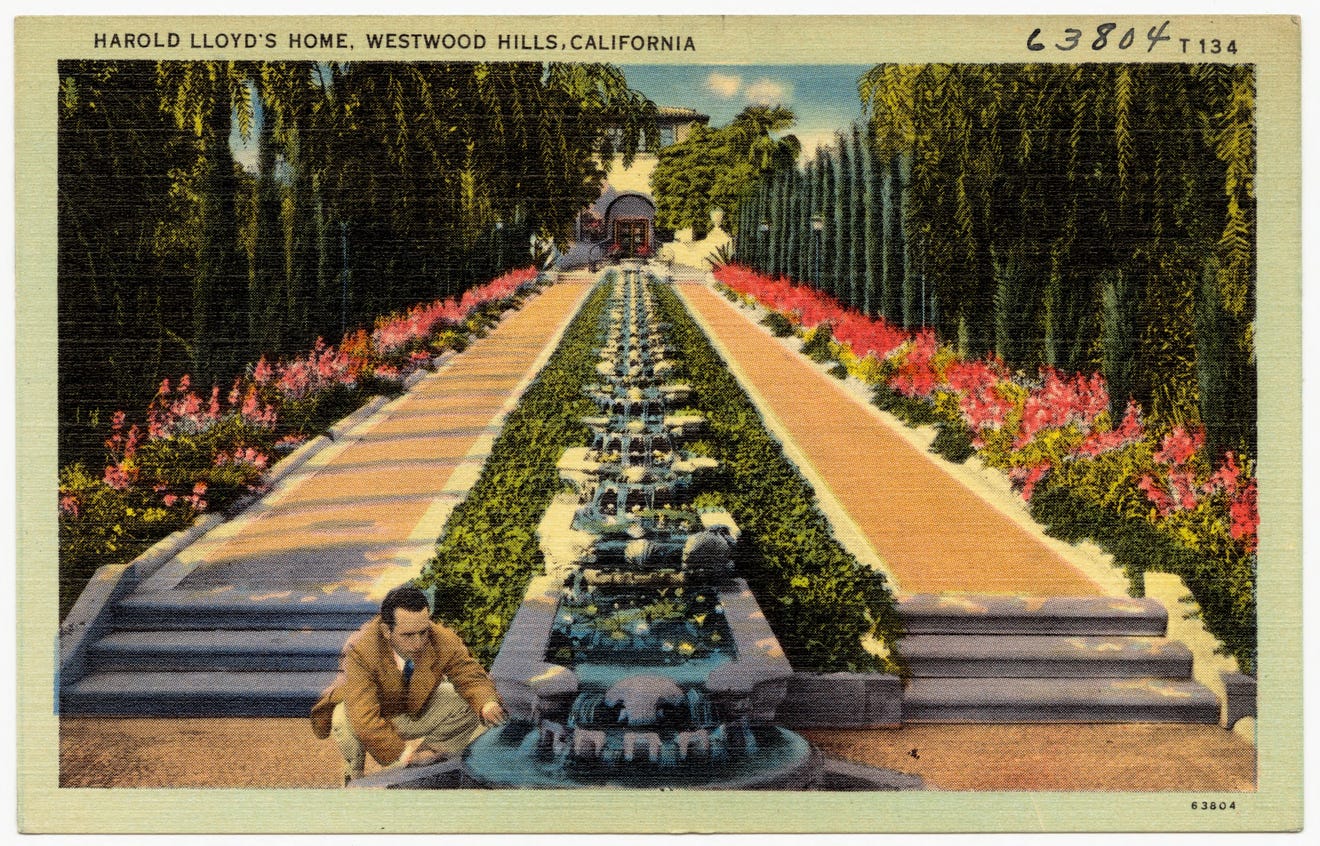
x=824, y=97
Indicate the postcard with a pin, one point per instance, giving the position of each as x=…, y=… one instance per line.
x=659, y=424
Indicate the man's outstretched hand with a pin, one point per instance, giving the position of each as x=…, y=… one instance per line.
x=492, y=714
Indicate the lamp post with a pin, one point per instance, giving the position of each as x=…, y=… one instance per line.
x=499, y=246
x=761, y=233
x=817, y=234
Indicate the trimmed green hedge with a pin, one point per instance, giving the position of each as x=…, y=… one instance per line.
x=489, y=551
x=818, y=599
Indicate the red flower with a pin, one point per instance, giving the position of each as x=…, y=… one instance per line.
x=1244, y=518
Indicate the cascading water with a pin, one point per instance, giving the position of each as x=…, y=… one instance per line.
x=640, y=616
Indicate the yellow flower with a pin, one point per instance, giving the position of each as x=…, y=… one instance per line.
x=686, y=649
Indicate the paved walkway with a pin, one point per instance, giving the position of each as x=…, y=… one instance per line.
x=136, y=752
x=362, y=515
x=930, y=531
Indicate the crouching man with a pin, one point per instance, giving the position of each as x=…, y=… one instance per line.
x=408, y=692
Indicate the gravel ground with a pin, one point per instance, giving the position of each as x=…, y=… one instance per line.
x=233, y=752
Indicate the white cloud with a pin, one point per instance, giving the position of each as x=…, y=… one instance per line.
x=769, y=92
x=723, y=84
x=812, y=139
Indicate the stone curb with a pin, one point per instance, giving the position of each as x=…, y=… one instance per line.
x=842, y=701
x=338, y=431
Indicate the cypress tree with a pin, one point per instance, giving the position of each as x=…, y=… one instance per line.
x=872, y=239
x=791, y=225
x=842, y=228
x=1119, y=339
x=819, y=238
x=857, y=215
x=908, y=283
x=1212, y=364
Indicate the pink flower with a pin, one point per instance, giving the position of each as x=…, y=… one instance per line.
x=1164, y=504
x=262, y=374
x=69, y=506
x=916, y=376
x=1178, y=446
x=1028, y=478
x=1128, y=432
x=117, y=478
x=170, y=499
x=1182, y=485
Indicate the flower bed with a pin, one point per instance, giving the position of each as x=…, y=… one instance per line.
x=196, y=452
x=1054, y=432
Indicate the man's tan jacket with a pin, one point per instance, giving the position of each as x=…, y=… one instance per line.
x=370, y=685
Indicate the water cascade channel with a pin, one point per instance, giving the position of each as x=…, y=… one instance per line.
x=640, y=659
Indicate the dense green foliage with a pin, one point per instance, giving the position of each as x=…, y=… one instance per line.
x=359, y=189
x=1226, y=596
x=714, y=168
x=489, y=551
x=1084, y=217
x=818, y=599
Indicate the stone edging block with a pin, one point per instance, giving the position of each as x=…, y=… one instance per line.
x=842, y=700
x=347, y=424
x=1239, y=698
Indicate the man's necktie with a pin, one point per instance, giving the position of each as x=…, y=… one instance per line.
x=407, y=675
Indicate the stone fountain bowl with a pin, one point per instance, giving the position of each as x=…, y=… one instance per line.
x=509, y=757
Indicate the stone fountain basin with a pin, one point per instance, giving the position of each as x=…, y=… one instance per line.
x=506, y=757
x=752, y=683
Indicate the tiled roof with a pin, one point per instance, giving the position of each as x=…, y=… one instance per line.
x=681, y=111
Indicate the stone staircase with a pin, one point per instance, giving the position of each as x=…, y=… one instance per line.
x=174, y=653
x=997, y=659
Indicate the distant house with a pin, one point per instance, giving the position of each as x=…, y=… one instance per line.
x=621, y=223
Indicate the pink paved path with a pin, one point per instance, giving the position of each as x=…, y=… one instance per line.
x=933, y=533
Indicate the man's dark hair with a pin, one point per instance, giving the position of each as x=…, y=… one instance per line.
x=406, y=597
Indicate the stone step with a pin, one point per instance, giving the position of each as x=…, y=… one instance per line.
x=1014, y=615
x=193, y=610
x=1142, y=700
x=1044, y=656
x=218, y=694
x=220, y=649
